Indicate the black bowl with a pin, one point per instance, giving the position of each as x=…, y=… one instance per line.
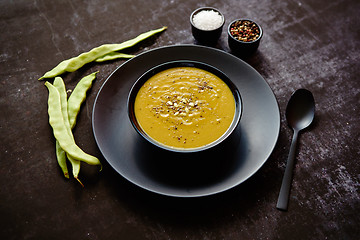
x=206, y=37
x=243, y=48
x=184, y=63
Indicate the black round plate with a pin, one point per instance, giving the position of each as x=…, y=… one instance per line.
x=186, y=174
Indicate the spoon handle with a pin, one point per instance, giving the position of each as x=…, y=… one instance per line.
x=283, y=199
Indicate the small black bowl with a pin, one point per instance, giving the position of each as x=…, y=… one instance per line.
x=206, y=37
x=243, y=48
x=183, y=63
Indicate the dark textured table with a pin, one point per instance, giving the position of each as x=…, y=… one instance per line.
x=306, y=44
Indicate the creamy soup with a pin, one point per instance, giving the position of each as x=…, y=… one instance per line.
x=184, y=107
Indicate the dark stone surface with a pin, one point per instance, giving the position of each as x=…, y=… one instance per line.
x=306, y=44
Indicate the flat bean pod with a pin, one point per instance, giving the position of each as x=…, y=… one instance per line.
x=78, y=96
x=60, y=86
x=61, y=158
x=113, y=56
x=66, y=141
x=75, y=63
x=60, y=153
x=75, y=168
x=75, y=100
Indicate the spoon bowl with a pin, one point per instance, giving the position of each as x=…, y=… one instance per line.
x=300, y=110
x=300, y=113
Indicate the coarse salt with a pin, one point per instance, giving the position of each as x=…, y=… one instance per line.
x=207, y=20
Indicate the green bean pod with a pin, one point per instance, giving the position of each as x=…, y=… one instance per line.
x=113, y=56
x=72, y=64
x=66, y=140
x=75, y=100
x=61, y=158
x=60, y=86
x=60, y=153
x=78, y=96
x=75, y=168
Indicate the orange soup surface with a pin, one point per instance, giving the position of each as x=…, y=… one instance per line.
x=184, y=107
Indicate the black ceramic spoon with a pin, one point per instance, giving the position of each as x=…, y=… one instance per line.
x=300, y=113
